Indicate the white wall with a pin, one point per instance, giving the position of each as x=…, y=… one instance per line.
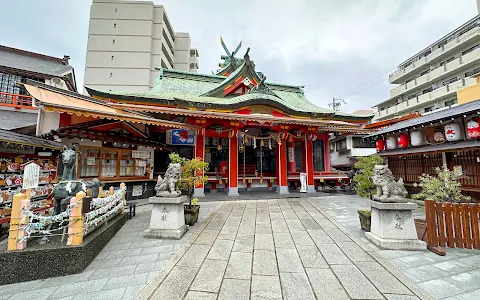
x=48, y=121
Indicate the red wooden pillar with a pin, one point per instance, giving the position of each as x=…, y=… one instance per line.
x=233, y=164
x=292, y=167
x=282, y=187
x=309, y=165
x=199, y=191
x=326, y=155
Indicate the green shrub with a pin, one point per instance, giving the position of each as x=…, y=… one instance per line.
x=363, y=180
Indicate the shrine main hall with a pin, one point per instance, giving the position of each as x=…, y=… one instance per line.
x=253, y=133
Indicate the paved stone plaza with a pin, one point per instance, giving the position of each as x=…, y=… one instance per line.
x=120, y=271
x=276, y=249
x=297, y=248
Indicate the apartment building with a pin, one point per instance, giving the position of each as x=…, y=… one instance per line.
x=127, y=40
x=430, y=79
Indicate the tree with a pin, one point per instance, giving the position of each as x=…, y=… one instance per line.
x=442, y=188
x=193, y=173
x=363, y=180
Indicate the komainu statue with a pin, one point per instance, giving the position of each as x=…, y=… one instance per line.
x=388, y=190
x=166, y=186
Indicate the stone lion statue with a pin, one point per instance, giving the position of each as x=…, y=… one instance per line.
x=166, y=186
x=388, y=190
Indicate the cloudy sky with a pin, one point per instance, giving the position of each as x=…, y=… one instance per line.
x=330, y=46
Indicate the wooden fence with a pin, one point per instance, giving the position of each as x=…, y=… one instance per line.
x=452, y=224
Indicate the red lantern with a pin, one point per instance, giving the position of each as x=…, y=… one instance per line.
x=473, y=128
x=402, y=140
x=380, y=144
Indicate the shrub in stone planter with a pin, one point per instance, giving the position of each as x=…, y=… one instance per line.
x=365, y=216
x=193, y=175
x=364, y=186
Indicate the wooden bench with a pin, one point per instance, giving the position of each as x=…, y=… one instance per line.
x=131, y=205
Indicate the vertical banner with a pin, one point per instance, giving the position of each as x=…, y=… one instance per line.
x=303, y=182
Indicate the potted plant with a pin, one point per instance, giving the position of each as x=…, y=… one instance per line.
x=192, y=175
x=364, y=186
x=442, y=188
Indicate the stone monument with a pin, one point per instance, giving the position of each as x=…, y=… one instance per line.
x=167, y=220
x=392, y=225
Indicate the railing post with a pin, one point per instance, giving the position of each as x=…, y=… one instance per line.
x=15, y=233
x=122, y=187
x=75, y=222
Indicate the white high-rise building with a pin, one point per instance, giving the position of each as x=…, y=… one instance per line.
x=127, y=40
x=429, y=80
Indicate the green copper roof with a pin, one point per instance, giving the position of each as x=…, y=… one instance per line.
x=202, y=90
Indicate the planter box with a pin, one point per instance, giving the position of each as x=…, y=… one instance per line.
x=365, y=220
x=191, y=214
x=421, y=227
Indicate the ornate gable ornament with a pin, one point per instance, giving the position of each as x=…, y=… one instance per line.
x=262, y=88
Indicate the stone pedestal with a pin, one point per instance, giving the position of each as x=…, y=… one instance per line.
x=392, y=226
x=167, y=220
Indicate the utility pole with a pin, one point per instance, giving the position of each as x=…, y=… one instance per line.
x=336, y=104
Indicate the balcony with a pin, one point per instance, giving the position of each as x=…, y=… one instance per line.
x=466, y=38
x=437, y=94
x=450, y=68
x=16, y=101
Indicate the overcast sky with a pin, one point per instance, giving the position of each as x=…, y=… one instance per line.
x=330, y=46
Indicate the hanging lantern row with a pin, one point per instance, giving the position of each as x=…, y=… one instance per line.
x=451, y=132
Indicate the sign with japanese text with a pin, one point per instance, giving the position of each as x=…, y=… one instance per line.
x=31, y=175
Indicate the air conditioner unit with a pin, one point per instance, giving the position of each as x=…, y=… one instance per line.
x=59, y=83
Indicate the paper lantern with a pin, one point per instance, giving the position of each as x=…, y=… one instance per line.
x=402, y=140
x=453, y=132
x=380, y=144
x=439, y=136
x=416, y=138
x=391, y=142
x=473, y=128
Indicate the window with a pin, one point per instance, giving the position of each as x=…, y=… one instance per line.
x=165, y=52
x=113, y=42
x=115, y=9
x=447, y=61
x=318, y=164
x=109, y=163
x=411, y=96
x=470, y=49
x=450, y=102
x=332, y=147
x=165, y=37
x=298, y=156
x=472, y=72
x=441, y=44
x=359, y=142
x=424, y=72
x=427, y=109
x=448, y=81
x=111, y=74
x=427, y=90
x=112, y=57
x=341, y=145
x=114, y=25
x=7, y=83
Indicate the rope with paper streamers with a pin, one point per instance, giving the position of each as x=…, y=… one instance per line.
x=104, y=209
x=42, y=222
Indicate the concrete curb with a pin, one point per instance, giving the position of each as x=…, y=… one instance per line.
x=414, y=288
x=157, y=280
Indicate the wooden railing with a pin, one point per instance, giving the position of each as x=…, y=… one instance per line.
x=16, y=100
x=453, y=225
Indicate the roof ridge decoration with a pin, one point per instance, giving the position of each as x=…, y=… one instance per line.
x=230, y=62
x=243, y=77
x=262, y=88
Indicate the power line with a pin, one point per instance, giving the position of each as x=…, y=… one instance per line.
x=379, y=79
x=374, y=80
